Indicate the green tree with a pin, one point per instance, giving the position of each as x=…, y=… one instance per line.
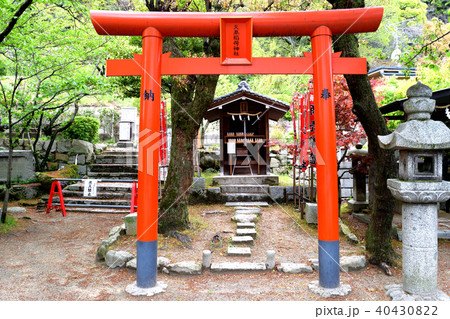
x=50, y=59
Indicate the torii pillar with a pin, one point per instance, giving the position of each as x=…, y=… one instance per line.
x=236, y=59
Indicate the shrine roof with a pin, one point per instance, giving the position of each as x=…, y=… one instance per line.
x=276, y=108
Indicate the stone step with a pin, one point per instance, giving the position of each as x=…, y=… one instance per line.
x=246, y=180
x=245, y=240
x=103, y=186
x=244, y=218
x=110, y=168
x=255, y=204
x=237, y=267
x=256, y=211
x=100, y=195
x=246, y=232
x=239, y=251
x=248, y=189
x=245, y=225
x=113, y=175
x=116, y=159
x=122, y=152
x=242, y=197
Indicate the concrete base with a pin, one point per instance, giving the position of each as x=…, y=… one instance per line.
x=342, y=290
x=134, y=290
x=356, y=206
x=311, y=213
x=397, y=293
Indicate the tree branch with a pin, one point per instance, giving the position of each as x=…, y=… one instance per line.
x=427, y=45
x=14, y=19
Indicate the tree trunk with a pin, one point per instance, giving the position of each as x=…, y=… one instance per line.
x=9, y=170
x=191, y=98
x=378, y=236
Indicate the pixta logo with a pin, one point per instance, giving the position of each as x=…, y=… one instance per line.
x=149, y=144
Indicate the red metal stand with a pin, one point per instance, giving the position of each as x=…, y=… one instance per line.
x=61, y=205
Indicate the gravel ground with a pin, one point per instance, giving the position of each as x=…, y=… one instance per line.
x=50, y=257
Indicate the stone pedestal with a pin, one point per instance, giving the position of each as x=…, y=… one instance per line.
x=420, y=188
x=419, y=222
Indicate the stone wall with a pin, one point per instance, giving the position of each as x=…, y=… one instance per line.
x=23, y=165
x=62, y=153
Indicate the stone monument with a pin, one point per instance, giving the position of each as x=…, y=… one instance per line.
x=420, y=188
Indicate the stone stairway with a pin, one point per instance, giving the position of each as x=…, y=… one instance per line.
x=113, y=164
x=245, y=218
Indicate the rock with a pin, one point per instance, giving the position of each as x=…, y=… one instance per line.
x=165, y=270
x=274, y=163
x=111, y=240
x=62, y=157
x=207, y=161
x=117, y=259
x=163, y=262
x=131, y=224
x=352, y=263
x=63, y=147
x=244, y=218
x=132, y=264
x=185, y=268
x=101, y=252
x=83, y=147
x=314, y=263
x=118, y=230
x=16, y=210
x=100, y=147
x=293, y=268
x=232, y=267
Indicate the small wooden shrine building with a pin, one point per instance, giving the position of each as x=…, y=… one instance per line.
x=244, y=129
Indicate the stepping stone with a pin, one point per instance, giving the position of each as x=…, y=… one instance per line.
x=248, y=211
x=352, y=263
x=244, y=218
x=239, y=251
x=231, y=267
x=260, y=204
x=248, y=240
x=246, y=207
x=293, y=268
x=246, y=232
x=245, y=225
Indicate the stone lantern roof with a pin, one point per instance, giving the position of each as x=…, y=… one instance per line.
x=418, y=132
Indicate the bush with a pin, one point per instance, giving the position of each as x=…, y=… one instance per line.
x=83, y=128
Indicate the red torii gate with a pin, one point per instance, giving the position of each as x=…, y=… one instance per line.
x=236, y=31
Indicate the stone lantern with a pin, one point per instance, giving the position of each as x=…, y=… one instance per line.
x=359, y=180
x=420, y=188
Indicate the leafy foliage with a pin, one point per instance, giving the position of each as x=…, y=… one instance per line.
x=83, y=128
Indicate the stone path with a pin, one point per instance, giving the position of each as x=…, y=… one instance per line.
x=245, y=216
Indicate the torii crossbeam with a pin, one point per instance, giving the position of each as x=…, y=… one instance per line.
x=236, y=31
